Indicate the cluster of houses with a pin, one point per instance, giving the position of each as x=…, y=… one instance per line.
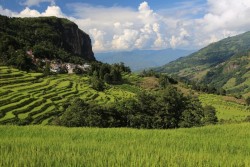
x=58, y=66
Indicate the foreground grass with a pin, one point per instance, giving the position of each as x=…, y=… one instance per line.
x=223, y=145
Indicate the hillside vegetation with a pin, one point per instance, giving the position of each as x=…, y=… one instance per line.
x=221, y=64
x=47, y=37
x=223, y=145
x=32, y=98
x=85, y=100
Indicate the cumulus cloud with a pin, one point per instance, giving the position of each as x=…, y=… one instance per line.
x=123, y=28
x=227, y=15
x=50, y=11
x=6, y=12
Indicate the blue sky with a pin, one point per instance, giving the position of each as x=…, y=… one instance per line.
x=116, y=25
x=18, y=5
x=155, y=4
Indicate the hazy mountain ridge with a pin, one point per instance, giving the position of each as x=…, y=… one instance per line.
x=141, y=59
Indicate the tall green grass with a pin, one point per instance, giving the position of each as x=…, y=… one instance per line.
x=223, y=145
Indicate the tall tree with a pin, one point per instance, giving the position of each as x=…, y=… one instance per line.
x=210, y=115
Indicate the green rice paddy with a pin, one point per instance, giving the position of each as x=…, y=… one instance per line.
x=215, y=146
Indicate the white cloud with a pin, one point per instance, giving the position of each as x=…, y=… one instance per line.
x=125, y=28
x=123, y=41
x=53, y=11
x=121, y=28
x=36, y=2
x=99, y=39
x=27, y=12
x=227, y=15
x=6, y=12
x=50, y=11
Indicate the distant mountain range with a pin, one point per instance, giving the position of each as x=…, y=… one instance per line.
x=222, y=64
x=142, y=59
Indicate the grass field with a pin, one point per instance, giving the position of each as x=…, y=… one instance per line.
x=221, y=145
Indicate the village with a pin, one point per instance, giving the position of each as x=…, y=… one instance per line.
x=57, y=66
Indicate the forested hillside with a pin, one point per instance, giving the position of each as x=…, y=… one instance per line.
x=221, y=64
x=46, y=37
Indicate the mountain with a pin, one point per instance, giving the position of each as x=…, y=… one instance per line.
x=142, y=59
x=222, y=64
x=47, y=37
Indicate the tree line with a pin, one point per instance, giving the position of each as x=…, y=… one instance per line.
x=102, y=73
x=166, y=109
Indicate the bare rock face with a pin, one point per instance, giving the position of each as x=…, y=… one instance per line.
x=78, y=41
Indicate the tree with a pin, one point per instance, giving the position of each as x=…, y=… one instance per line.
x=116, y=76
x=192, y=114
x=105, y=69
x=22, y=61
x=79, y=114
x=46, y=71
x=163, y=81
x=107, y=78
x=72, y=117
x=97, y=83
x=78, y=70
x=210, y=115
x=248, y=100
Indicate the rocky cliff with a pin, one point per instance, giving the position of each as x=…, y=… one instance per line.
x=79, y=41
x=50, y=37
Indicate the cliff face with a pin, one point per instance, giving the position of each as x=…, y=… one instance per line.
x=49, y=37
x=79, y=42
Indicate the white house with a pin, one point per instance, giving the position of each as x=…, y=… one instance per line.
x=70, y=67
x=55, y=68
x=84, y=67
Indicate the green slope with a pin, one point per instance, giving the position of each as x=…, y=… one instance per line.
x=34, y=99
x=223, y=145
x=222, y=64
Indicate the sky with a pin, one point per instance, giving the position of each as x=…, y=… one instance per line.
x=124, y=25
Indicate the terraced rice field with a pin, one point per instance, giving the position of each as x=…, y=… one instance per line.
x=226, y=110
x=34, y=99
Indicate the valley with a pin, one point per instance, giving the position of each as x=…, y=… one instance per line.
x=113, y=84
